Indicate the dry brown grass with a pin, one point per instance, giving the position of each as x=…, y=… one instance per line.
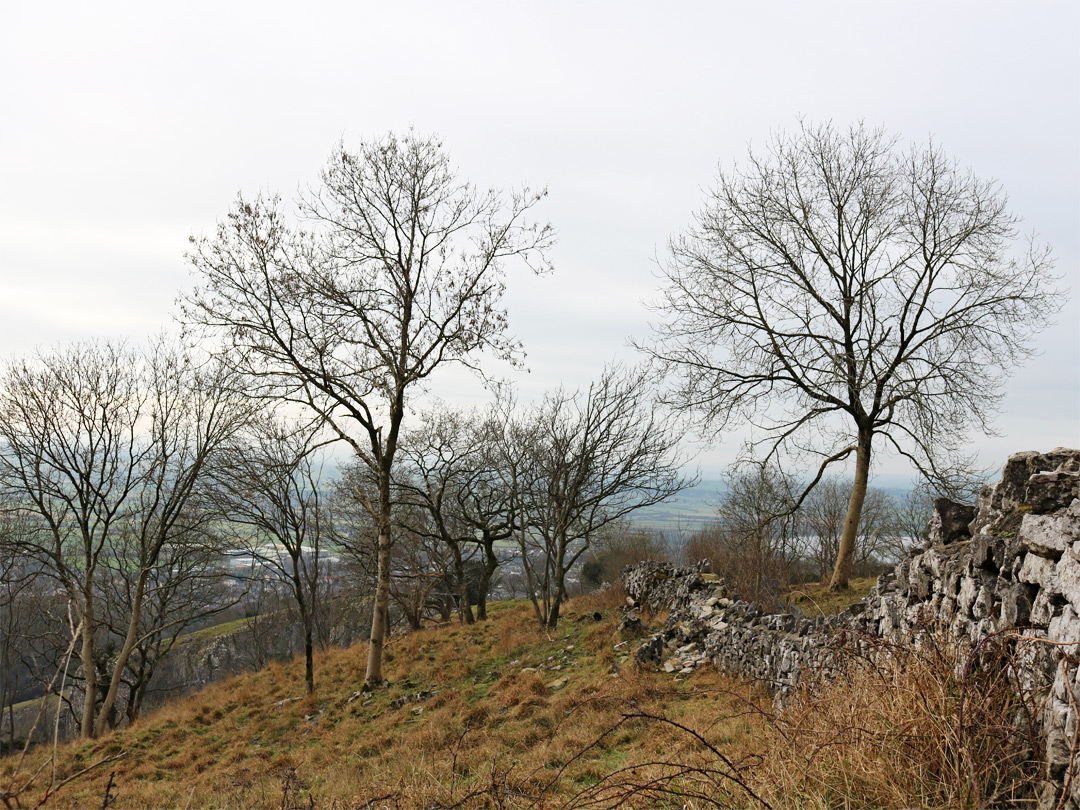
x=894, y=728
x=815, y=599
x=925, y=727
x=610, y=598
x=464, y=722
x=475, y=717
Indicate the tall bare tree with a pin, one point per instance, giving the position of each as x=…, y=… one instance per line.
x=108, y=449
x=400, y=271
x=69, y=426
x=192, y=415
x=845, y=296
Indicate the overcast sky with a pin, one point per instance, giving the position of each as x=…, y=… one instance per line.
x=125, y=128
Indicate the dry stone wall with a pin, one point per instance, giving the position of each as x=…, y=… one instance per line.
x=1010, y=563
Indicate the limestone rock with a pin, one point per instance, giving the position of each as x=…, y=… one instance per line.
x=1050, y=535
x=1048, y=492
x=950, y=521
x=1037, y=570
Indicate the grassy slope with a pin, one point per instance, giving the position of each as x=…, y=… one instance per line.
x=490, y=709
x=503, y=715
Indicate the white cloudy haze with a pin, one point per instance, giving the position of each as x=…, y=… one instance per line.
x=127, y=127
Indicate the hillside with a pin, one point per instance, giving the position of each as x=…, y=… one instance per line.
x=501, y=714
x=499, y=705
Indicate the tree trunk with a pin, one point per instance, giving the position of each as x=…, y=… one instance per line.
x=138, y=690
x=86, y=657
x=759, y=562
x=491, y=562
x=374, y=677
x=125, y=651
x=465, y=613
x=7, y=688
x=307, y=619
x=309, y=658
x=530, y=580
x=560, y=594
x=845, y=557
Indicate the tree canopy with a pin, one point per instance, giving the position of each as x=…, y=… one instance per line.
x=839, y=293
x=393, y=267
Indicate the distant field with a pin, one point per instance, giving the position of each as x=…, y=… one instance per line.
x=690, y=510
x=695, y=507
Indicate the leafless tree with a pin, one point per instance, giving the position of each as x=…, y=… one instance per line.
x=579, y=462
x=843, y=297
x=267, y=620
x=18, y=577
x=913, y=513
x=451, y=472
x=69, y=425
x=271, y=486
x=485, y=501
x=618, y=545
x=400, y=272
x=107, y=449
x=436, y=457
x=422, y=583
x=419, y=564
x=754, y=541
x=354, y=531
x=185, y=590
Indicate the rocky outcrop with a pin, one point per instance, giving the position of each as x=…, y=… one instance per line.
x=1010, y=564
x=657, y=586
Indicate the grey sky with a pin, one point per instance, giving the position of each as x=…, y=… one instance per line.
x=126, y=127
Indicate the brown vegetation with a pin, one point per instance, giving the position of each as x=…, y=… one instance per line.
x=502, y=714
x=915, y=727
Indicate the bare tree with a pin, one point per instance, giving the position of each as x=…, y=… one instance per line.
x=436, y=458
x=419, y=564
x=452, y=473
x=18, y=577
x=754, y=540
x=108, y=450
x=618, y=545
x=485, y=501
x=581, y=461
x=185, y=590
x=913, y=513
x=193, y=414
x=271, y=486
x=400, y=272
x=842, y=296
x=422, y=581
x=70, y=450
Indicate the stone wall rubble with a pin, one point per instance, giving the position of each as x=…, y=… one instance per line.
x=1008, y=564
